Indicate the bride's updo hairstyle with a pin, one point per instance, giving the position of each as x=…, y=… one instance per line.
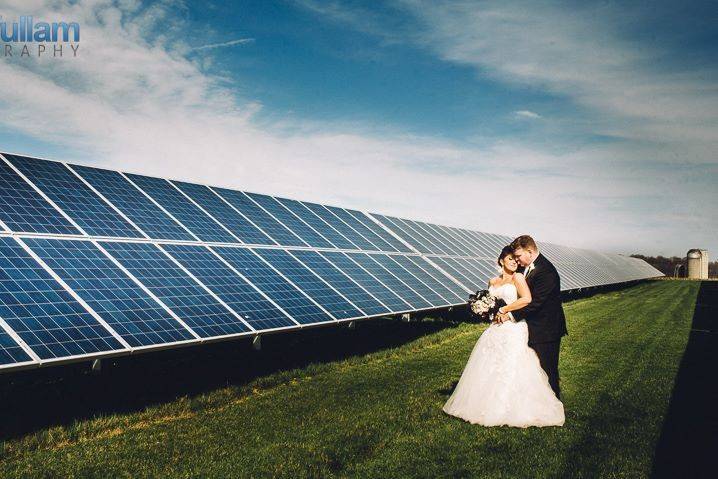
x=507, y=251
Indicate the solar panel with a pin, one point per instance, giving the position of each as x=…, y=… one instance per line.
x=128, y=199
x=324, y=295
x=335, y=237
x=193, y=218
x=451, y=235
x=10, y=351
x=75, y=198
x=417, y=241
x=129, y=310
x=290, y=220
x=45, y=316
x=177, y=289
x=568, y=280
x=442, y=234
x=470, y=247
x=480, y=275
x=269, y=225
x=340, y=281
x=426, y=274
x=498, y=241
x=96, y=262
x=380, y=231
x=23, y=209
x=427, y=241
x=490, y=250
x=367, y=281
x=410, y=280
x=434, y=244
x=289, y=297
x=477, y=247
x=485, y=269
x=360, y=228
x=481, y=249
x=245, y=299
x=468, y=280
x=234, y=221
x=445, y=288
x=339, y=225
x=384, y=275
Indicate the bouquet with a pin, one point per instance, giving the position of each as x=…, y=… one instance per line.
x=484, y=306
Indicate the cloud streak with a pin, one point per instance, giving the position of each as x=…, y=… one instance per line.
x=211, y=46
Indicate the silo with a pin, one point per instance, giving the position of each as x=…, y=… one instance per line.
x=697, y=261
x=704, y=264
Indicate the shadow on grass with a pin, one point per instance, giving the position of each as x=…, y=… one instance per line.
x=447, y=391
x=689, y=438
x=591, y=291
x=37, y=399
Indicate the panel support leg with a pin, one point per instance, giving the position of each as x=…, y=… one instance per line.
x=406, y=317
x=257, y=343
x=352, y=325
x=96, y=367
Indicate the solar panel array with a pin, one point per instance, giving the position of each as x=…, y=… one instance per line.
x=95, y=263
x=470, y=256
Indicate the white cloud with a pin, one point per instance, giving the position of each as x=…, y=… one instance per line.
x=579, y=52
x=662, y=115
x=527, y=114
x=138, y=102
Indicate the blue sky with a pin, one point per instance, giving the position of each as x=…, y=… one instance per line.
x=307, y=64
x=589, y=124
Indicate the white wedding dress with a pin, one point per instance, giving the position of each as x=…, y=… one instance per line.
x=503, y=382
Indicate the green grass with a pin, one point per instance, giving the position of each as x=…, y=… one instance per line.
x=379, y=414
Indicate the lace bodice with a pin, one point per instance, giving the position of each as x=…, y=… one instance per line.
x=507, y=292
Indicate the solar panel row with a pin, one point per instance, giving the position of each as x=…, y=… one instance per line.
x=97, y=262
x=68, y=298
x=147, y=294
x=470, y=256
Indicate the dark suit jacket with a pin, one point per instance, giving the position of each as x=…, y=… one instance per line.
x=544, y=315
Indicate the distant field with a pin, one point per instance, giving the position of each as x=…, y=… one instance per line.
x=367, y=405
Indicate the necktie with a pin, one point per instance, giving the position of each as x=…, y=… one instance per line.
x=529, y=269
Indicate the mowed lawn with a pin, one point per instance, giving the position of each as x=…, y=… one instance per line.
x=379, y=414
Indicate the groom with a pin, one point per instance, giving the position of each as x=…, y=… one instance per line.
x=544, y=315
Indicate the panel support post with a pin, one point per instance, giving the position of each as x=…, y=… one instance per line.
x=406, y=317
x=257, y=343
x=96, y=367
x=352, y=325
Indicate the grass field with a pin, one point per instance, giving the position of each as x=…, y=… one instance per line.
x=361, y=403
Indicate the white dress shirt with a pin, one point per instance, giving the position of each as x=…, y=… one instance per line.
x=529, y=268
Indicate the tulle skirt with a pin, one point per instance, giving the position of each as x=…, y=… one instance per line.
x=503, y=383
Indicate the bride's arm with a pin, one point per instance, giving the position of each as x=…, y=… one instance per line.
x=524, y=294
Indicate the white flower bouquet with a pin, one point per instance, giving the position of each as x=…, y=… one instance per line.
x=484, y=306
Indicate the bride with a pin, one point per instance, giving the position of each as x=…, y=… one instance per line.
x=503, y=382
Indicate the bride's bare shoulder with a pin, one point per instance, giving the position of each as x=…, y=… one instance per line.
x=494, y=281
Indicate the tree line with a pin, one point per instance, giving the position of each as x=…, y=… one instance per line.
x=667, y=266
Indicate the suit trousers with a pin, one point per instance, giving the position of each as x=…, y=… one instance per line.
x=548, y=357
